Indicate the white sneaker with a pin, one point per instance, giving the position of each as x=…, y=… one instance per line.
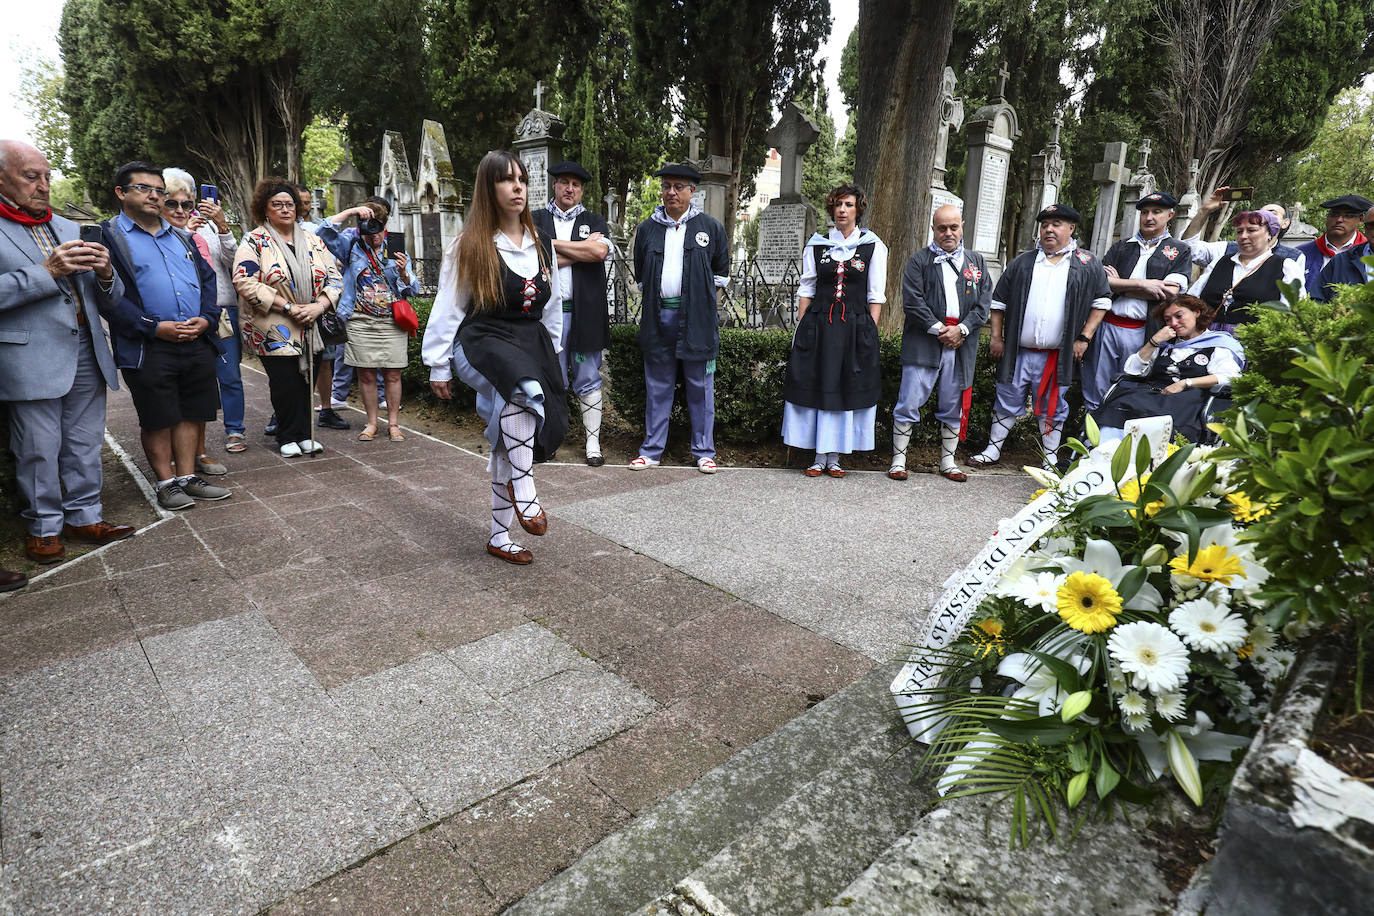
x=290, y=450
x=338, y=404
x=310, y=447
x=641, y=463
x=708, y=466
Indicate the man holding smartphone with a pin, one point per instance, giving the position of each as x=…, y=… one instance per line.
x=55, y=364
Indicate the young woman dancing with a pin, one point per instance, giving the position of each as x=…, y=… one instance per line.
x=496, y=324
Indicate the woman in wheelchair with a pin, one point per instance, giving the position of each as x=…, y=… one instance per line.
x=1175, y=373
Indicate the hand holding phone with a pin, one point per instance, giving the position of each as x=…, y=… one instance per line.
x=209, y=192
x=1237, y=194
x=92, y=233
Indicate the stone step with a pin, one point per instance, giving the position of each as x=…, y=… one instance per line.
x=826, y=792
x=816, y=842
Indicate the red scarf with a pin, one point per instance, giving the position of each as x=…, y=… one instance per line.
x=10, y=212
x=1330, y=252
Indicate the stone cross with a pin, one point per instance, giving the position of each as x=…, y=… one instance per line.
x=1188, y=203
x=1002, y=74
x=951, y=117
x=1144, y=166
x=539, y=95
x=1047, y=170
x=1109, y=174
x=694, y=131
x=792, y=136
x=612, y=209
x=1055, y=124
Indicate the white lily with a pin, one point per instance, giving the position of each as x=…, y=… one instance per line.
x=1201, y=741
x=1038, y=684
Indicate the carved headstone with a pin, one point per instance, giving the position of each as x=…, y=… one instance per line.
x=1141, y=184
x=348, y=184
x=539, y=144
x=951, y=118
x=789, y=219
x=1187, y=204
x=1047, y=171
x=439, y=217
x=397, y=185
x=1109, y=174
x=991, y=134
x=1298, y=231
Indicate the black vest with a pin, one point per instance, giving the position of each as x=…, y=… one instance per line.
x=1125, y=254
x=1261, y=285
x=842, y=286
x=525, y=299
x=591, y=321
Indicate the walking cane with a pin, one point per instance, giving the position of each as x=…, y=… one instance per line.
x=310, y=383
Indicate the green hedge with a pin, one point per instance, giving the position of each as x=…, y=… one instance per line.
x=749, y=379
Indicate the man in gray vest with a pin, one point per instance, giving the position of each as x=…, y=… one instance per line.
x=946, y=291
x=55, y=363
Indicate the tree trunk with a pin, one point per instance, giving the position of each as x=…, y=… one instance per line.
x=902, y=49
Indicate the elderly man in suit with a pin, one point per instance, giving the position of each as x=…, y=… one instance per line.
x=55, y=362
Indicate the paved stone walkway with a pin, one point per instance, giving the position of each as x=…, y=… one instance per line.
x=323, y=694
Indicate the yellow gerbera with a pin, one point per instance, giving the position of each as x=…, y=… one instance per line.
x=1245, y=651
x=1245, y=509
x=991, y=626
x=1130, y=492
x=1088, y=602
x=1212, y=564
x=1036, y=495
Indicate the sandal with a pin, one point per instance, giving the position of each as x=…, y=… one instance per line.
x=235, y=442
x=394, y=434
x=366, y=436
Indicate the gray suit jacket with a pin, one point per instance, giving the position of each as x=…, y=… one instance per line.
x=38, y=331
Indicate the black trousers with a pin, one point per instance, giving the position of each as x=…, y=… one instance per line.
x=290, y=395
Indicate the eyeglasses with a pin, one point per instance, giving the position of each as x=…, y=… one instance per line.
x=187, y=205
x=281, y=205
x=145, y=188
x=679, y=188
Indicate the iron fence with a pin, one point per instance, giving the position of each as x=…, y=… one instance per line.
x=762, y=291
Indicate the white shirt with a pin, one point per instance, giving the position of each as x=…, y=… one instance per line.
x=1223, y=363
x=562, y=230
x=1205, y=253
x=949, y=283
x=674, y=244
x=842, y=248
x=1335, y=249
x=1131, y=306
x=451, y=303
x=1042, y=327
x=1292, y=270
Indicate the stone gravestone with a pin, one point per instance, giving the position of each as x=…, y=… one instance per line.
x=1298, y=231
x=991, y=133
x=440, y=216
x=539, y=144
x=1109, y=174
x=348, y=184
x=951, y=117
x=1047, y=170
x=789, y=219
x=1187, y=204
x=397, y=186
x=1142, y=183
x=711, y=194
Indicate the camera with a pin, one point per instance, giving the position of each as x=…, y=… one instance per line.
x=371, y=226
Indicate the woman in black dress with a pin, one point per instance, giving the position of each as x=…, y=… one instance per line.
x=1172, y=373
x=496, y=324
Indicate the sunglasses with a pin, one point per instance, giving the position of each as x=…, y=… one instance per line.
x=145, y=188
x=187, y=205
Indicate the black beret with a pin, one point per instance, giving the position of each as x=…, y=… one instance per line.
x=1349, y=202
x=1059, y=211
x=568, y=167
x=1157, y=199
x=679, y=170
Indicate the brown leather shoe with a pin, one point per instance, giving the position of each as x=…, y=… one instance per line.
x=955, y=475
x=535, y=524
x=9, y=581
x=98, y=533
x=897, y=473
x=815, y=470
x=521, y=557
x=835, y=471
x=44, y=549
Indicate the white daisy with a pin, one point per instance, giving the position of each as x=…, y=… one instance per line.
x=1169, y=704
x=1040, y=590
x=1295, y=630
x=1136, y=722
x=1261, y=637
x=1116, y=679
x=1134, y=704
x=1151, y=654
x=1244, y=708
x=1207, y=626
x=1273, y=663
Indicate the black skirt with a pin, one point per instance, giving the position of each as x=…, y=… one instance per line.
x=509, y=350
x=1134, y=399
x=834, y=363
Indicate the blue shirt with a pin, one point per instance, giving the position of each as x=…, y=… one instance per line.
x=358, y=272
x=164, y=270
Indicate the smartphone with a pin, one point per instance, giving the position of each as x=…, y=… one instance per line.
x=92, y=233
x=395, y=244
x=209, y=192
x=1239, y=193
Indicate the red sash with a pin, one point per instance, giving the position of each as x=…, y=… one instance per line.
x=1046, y=400
x=1122, y=321
x=966, y=402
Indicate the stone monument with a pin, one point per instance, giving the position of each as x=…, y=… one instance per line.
x=397, y=186
x=439, y=218
x=348, y=184
x=1298, y=231
x=1141, y=184
x=1187, y=204
x=951, y=118
x=1047, y=171
x=539, y=144
x=712, y=194
x=1109, y=174
x=991, y=134
x=789, y=219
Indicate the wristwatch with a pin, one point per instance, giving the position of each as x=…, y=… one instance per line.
x=1187, y=383
x=1083, y=338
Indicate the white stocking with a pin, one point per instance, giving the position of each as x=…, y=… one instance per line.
x=901, y=438
x=517, y=434
x=1001, y=427
x=502, y=509
x=949, y=441
x=591, y=420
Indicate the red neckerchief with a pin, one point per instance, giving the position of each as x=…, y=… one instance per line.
x=10, y=212
x=1330, y=252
